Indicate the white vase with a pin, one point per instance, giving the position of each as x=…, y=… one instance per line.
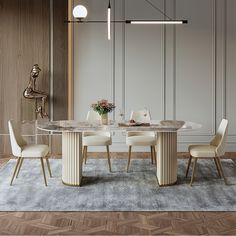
x=104, y=119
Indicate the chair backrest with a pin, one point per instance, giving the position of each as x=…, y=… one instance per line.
x=220, y=138
x=17, y=142
x=141, y=116
x=92, y=116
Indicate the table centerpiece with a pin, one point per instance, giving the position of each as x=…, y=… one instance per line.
x=103, y=107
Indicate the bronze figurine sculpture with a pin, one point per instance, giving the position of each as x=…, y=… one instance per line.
x=32, y=93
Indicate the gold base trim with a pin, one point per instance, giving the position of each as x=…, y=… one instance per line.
x=71, y=185
x=166, y=185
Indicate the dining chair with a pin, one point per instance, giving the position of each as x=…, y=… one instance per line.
x=215, y=150
x=141, y=138
x=22, y=150
x=96, y=138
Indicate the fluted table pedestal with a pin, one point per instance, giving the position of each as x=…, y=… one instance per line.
x=72, y=159
x=167, y=158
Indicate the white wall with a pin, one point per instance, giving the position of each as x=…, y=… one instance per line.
x=185, y=72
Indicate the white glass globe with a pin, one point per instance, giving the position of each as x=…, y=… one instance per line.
x=80, y=11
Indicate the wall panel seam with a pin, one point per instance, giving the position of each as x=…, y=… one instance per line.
x=51, y=59
x=164, y=67
x=224, y=87
x=114, y=59
x=214, y=25
x=123, y=57
x=174, y=63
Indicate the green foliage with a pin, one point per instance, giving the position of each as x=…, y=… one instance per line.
x=103, y=107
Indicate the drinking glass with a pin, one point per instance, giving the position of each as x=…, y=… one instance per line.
x=121, y=114
x=145, y=112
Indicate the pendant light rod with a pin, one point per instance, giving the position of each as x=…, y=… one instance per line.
x=109, y=21
x=158, y=9
x=93, y=21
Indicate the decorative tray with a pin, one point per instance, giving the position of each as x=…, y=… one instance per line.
x=128, y=124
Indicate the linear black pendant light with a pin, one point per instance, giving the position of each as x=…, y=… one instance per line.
x=80, y=13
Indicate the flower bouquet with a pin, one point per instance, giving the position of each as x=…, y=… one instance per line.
x=103, y=107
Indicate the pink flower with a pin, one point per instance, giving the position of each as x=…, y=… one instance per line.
x=104, y=101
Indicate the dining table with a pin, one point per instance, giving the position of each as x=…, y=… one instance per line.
x=72, y=136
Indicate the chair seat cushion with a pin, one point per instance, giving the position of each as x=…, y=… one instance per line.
x=141, y=140
x=96, y=140
x=35, y=150
x=202, y=150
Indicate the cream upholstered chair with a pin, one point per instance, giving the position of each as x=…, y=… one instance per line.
x=214, y=150
x=96, y=138
x=138, y=138
x=21, y=150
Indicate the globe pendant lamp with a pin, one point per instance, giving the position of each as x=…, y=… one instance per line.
x=80, y=12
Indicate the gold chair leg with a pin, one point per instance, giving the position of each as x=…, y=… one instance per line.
x=108, y=158
x=155, y=154
x=16, y=167
x=217, y=167
x=189, y=163
x=18, y=171
x=194, y=170
x=221, y=170
x=44, y=175
x=151, y=153
x=49, y=168
x=129, y=157
x=85, y=154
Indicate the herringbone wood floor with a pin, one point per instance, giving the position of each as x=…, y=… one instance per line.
x=118, y=223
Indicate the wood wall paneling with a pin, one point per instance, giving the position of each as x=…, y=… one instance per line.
x=70, y=62
x=24, y=41
x=60, y=58
x=9, y=51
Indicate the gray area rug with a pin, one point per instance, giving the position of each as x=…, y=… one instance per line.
x=137, y=190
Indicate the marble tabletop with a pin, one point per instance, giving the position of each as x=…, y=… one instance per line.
x=82, y=126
